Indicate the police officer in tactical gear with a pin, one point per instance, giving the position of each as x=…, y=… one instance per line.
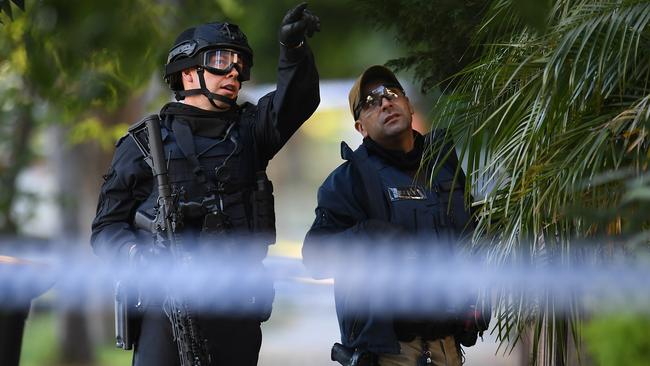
x=378, y=197
x=217, y=152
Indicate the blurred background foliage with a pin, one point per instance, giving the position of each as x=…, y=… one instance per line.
x=82, y=55
x=97, y=67
x=619, y=339
x=437, y=35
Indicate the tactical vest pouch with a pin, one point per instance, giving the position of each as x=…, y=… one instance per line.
x=262, y=203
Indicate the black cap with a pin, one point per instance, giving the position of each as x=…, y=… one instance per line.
x=375, y=72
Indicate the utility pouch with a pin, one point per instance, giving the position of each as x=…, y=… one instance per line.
x=215, y=223
x=347, y=356
x=127, y=316
x=263, y=208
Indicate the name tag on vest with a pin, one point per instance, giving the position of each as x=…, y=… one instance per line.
x=406, y=193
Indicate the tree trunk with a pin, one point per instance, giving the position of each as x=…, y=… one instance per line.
x=75, y=344
x=80, y=169
x=19, y=157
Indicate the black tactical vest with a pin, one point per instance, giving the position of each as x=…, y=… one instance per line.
x=427, y=210
x=420, y=209
x=227, y=171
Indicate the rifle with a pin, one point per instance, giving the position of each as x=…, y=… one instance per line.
x=192, y=347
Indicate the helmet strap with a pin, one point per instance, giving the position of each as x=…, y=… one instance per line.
x=181, y=94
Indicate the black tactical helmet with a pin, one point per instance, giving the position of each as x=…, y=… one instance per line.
x=191, y=44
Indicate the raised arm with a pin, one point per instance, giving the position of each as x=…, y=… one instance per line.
x=283, y=111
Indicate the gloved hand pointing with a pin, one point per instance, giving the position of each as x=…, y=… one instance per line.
x=296, y=24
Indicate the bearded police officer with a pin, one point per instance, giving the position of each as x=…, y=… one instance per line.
x=214, y=149
x=378, y=197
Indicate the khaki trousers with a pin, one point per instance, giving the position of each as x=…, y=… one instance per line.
x=444, y=352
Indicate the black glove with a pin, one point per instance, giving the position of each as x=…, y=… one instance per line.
x=298, y=23
x=143, y=256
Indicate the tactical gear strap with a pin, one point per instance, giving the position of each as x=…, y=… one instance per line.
x=181, y=94
x=180, y=65
x=185, y=141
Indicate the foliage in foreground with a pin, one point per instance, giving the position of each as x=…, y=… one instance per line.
x=552, y=120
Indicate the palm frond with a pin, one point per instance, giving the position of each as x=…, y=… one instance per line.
x=537, y=116
x=5, y=7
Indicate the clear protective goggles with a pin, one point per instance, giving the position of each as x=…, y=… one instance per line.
x=373, y=98
x=222, y=61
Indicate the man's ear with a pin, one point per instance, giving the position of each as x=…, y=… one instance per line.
x=359, y=127
x=188, y=75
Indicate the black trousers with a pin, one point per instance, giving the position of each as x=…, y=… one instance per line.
x=12, y=325
x=231, y=341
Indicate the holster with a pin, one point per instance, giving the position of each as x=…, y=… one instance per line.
x=128, y=315
x=473, y=323
x=347, y=356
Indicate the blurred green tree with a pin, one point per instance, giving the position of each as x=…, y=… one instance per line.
x=89, y=64
x=619, y=339
x=436, y=35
